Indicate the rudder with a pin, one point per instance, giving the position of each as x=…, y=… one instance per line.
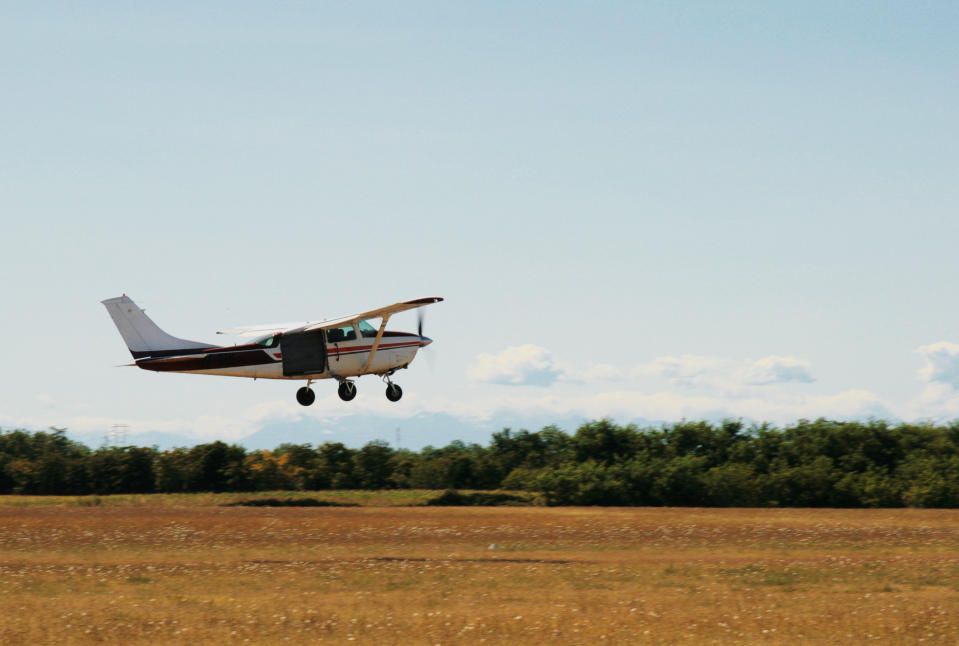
x=140, y=333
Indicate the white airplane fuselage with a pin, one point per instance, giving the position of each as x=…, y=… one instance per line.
x=344, y=359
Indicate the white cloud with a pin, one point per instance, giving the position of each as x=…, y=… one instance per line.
x=569, y=400
x=599, y=372
x=694, y=371
x=656, y=406
x=534, y=365
x=941, y=363
x=711, y=375
x=688, y=370
x=591, y=373
x=776, y=370
x=937, y=402
x=848, y=404
x=781, y=408
x=524, y=365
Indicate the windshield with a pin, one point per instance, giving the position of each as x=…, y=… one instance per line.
x=366, y=329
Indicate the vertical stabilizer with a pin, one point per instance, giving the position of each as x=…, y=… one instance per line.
x=141, y=334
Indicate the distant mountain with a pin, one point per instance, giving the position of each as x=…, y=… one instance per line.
x=161, y=440
x=357, y=430
x=424, y=429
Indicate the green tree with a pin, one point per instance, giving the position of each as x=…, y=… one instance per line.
x=335, y=466
x=372, y=466
x=110, y=470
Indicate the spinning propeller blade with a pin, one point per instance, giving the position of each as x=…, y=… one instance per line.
x=430, y=354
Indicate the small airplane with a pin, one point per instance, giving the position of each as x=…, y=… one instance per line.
x=342, y=348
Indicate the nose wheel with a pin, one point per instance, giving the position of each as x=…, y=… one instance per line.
x=393, y=392
x=305, y=396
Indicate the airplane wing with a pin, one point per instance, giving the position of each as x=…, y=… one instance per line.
x=307, y=326
x=258, y=330
x=381, y=312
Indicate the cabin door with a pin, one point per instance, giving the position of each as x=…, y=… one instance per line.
x=304, y=353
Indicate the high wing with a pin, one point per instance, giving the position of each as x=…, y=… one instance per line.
x=382, y=312
x=257, y=330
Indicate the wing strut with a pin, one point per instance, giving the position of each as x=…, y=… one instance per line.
x=376, y=343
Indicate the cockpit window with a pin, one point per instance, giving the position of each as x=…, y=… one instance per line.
x=366, y=329
x=338, y=334
x=267, y=341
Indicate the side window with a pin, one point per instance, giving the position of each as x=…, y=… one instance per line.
x=338, y=334
x=269, y=341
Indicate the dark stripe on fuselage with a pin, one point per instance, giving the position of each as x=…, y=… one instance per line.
x=213, y=349
x=222, y=358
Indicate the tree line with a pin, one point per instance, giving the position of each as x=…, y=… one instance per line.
x=819, y=463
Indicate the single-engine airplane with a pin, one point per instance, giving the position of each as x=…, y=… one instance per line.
x=342, y=348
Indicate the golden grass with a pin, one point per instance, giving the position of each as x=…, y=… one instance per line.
x=142, y=574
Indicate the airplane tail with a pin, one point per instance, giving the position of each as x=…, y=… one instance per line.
x=142, y=336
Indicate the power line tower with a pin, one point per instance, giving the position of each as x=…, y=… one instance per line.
x=117, y=435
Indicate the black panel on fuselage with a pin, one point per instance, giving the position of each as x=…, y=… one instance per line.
x=304, y=353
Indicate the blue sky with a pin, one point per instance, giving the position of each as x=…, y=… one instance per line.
x=635, y=210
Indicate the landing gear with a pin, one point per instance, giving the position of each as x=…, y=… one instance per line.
x=347, y=390
x=393, y=392
x=305, y=396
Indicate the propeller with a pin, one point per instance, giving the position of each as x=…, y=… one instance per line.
x=430, y=356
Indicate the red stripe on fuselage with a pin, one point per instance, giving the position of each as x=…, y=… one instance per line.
x=367, y=348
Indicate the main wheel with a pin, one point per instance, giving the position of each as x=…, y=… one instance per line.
x=394, y=392
x=305, y=396
x=347, y=390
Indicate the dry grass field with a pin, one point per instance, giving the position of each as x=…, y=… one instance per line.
x=140, y=573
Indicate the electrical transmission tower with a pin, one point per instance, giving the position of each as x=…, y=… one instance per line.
x=117, y=435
